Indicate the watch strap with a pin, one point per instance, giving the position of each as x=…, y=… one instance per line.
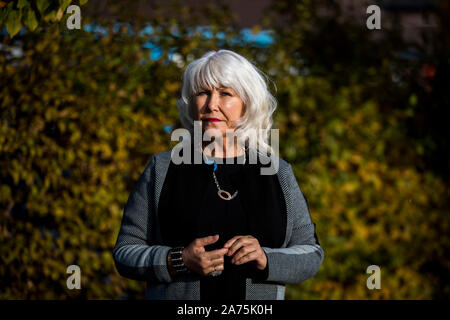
x=176, y=259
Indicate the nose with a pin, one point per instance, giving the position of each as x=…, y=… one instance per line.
x=213, y=101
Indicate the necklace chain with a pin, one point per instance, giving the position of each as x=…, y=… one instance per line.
x=220, y=192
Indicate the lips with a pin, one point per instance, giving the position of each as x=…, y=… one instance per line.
x=212, y=120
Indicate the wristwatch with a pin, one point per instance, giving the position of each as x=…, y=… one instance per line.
x=176, y=259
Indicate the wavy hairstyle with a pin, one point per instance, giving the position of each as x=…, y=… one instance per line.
x=225, y=68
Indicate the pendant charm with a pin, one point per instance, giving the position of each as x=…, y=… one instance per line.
x=227, y=196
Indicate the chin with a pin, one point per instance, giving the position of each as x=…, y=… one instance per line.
x=215, y=125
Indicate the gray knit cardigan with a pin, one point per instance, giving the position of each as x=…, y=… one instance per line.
x=139, y=253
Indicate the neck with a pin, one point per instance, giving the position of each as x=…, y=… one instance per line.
x=229, y=150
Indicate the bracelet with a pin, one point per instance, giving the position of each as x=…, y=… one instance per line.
x=177, y=260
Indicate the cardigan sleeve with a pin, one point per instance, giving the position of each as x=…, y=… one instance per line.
x=303, y=255
x=134, y=256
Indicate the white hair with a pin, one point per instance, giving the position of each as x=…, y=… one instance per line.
x=225, y=68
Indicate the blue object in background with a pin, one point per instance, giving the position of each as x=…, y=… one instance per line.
x=168, y=128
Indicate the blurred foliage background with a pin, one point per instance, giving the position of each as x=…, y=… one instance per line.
x=361, y=120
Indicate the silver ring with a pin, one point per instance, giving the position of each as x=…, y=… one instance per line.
x=215, y=273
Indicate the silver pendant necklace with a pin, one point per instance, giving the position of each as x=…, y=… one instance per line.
x=225, y=195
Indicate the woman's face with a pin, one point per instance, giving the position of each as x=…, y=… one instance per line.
x=218, y=108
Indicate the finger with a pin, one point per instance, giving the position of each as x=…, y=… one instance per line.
x=242, y=252
x=238, y=244
x=248, y=257
x=218, y=253
x=213, y=268
x=230, y=242
x=206, y=240
x=220, y=267
x=218, y=261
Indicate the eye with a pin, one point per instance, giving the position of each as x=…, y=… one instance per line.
x=225, y=93
x=201, y=93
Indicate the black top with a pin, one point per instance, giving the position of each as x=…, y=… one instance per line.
x=190, y=208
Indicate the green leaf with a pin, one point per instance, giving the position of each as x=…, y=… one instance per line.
x=83, y=2
x=59, y=14
x=42, y=5
x=30, y=19
x=50, y=16
x=22, y=3
x=64, y=4
x=4, y=13
x=13, y=24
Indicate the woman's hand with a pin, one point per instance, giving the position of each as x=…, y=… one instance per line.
x=203, y=262
x=246, y=249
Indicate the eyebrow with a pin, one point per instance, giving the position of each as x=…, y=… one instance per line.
x=220, y=88
x=225, y=88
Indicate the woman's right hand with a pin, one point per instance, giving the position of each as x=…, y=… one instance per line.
x=203, y=262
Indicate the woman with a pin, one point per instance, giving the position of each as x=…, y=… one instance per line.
x=212, y=230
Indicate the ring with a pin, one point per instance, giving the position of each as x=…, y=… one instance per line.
x=215, y=273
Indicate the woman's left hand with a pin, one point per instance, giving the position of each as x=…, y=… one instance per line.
x=246, y=249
